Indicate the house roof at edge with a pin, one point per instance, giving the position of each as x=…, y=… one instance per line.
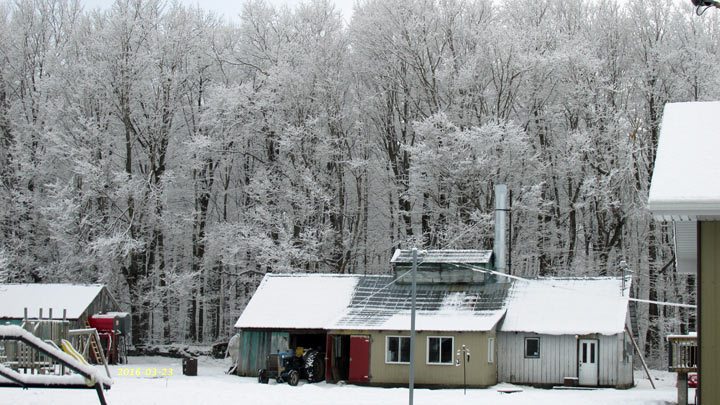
x=561, y=306
x=686, y=178
x=73, y=298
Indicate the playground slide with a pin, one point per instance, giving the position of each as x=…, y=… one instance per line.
x=86, y=377
x=69, y=349
x=12, y=332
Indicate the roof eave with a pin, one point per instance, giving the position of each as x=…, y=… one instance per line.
x=669, y=210
x=565, y=333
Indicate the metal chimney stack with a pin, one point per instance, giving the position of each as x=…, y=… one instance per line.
x=500, y=227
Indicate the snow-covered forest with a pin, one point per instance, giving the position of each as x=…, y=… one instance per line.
x=178, y=157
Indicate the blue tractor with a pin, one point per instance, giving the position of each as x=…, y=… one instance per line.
x=291, y=366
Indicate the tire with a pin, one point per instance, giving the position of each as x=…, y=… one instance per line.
x=293, y=377
x=262, y=376
x=315, y=367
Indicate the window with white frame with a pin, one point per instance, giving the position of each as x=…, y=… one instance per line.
x=491, y=350
x=532, y=348
x=440, y=350
x=397, y=349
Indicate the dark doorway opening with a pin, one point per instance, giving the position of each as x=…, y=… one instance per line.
x=308, y=341
x=339, y=357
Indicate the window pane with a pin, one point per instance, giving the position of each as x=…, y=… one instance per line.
x=434, y=350
x=584, y=360
x=405, y=350
x=532, y=347
x=446, y=356
x=592, y=353
x=491, y=350
x=392, y=354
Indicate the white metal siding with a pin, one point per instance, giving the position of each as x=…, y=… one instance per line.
x=558, y=359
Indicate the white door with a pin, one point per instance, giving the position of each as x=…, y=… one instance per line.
x=588, y=362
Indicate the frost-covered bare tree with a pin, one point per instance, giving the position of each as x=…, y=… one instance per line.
x=178, y=158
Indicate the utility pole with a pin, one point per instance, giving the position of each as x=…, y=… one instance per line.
x=412, y=324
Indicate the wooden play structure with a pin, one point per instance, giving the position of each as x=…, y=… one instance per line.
x=28, y=360
x=75, y=329
x=90, y=315
x=113, y=330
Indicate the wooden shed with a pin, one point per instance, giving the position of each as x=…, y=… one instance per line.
x=290, y=310
x=560, y=329
x=74, y=302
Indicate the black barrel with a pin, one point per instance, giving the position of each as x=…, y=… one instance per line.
x=190, y=366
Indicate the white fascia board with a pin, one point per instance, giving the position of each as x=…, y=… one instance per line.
x=681, y=211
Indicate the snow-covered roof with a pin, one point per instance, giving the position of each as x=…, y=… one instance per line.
x=686, y=178
x=561, y=306
x=380, y=304
x=298, y=301
x=74, y=298
x=360, y=302
x=554, y=306
x=470, y=256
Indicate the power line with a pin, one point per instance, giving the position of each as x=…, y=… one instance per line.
x=486, y=271
x=669, y=304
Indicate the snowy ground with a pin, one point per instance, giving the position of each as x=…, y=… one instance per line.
x=213, y=386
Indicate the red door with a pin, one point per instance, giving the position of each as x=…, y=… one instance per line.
x=359, y=358
x=329, y=350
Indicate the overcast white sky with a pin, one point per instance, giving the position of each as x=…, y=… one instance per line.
x=229, y=8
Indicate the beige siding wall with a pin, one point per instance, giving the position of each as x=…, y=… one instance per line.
x=479, y=372
x=709, y=309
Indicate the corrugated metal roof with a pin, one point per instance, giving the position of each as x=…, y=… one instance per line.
x=379, y=304
x=370, y=302
x=443, y=256
x=556, y=306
